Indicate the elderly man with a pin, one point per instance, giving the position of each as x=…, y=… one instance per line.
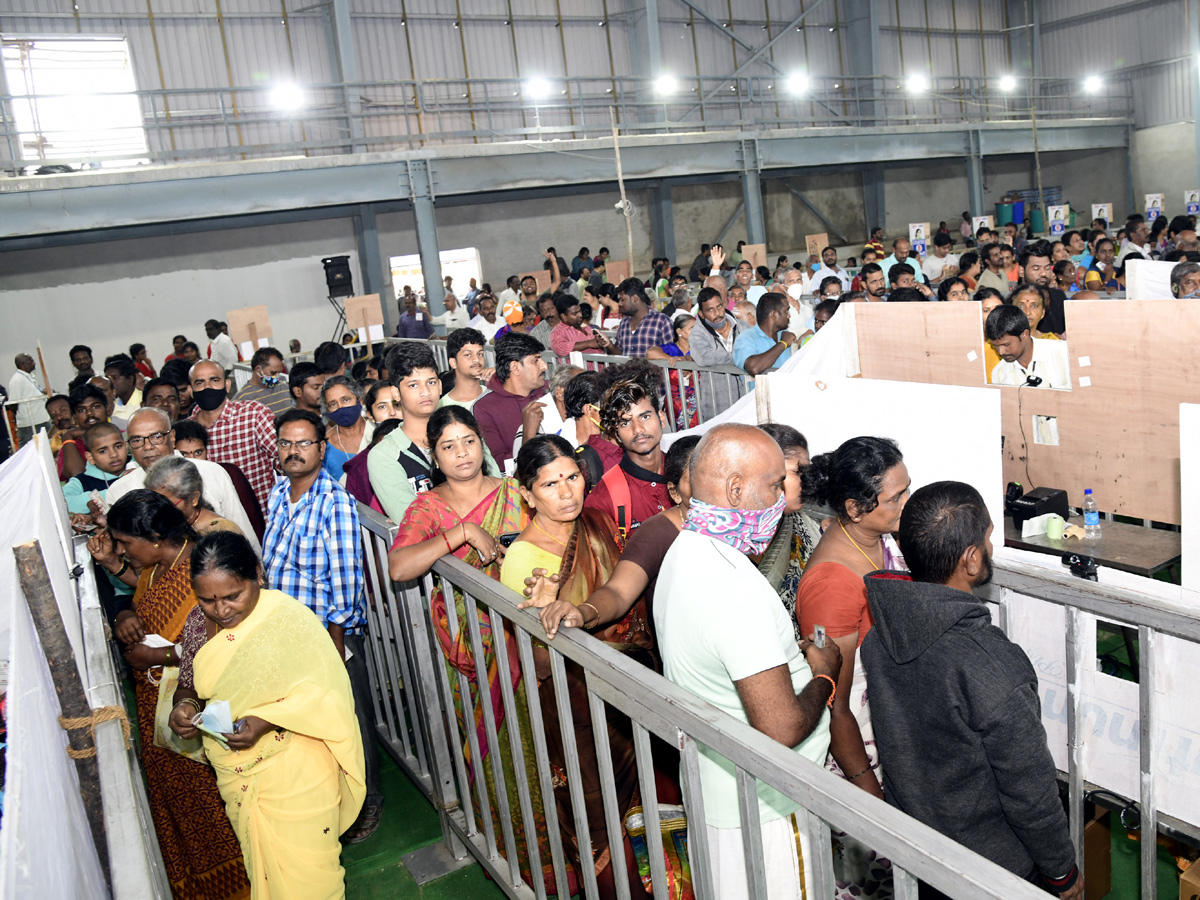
x=954, y=703
x=221, y=350
x=242, y=433
x=24, y=388
x=150, y=439
x=548, y=319
x=414, y=323
x=487, y=322
x=455, y=316
x=268, y=383
x=767, y=345
x=901, y=251
x=313, y=552
x=1185, y=280
x=1137, y=239
x=725, y=636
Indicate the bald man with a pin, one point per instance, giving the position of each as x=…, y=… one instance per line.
x=240, y=432
x=725, y=636
x=24, y=388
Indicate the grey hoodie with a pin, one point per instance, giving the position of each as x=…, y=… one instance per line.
x=957, y=720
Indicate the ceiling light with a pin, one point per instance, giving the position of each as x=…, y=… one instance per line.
x=286, y=97
x=831, y=30
x=917, y=83
x=665, y=84
x=798, y=83
x=1008, y=83
x=1092, y=84
x=537, y=88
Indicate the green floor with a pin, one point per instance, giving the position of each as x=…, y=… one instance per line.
x=373, y=868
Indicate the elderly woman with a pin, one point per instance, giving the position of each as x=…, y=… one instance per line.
x=1032, y=300
x=568, y=552
x=866, y=483
x=202, y=856
x=291, y=772
x=342, y=406
x=179, y=481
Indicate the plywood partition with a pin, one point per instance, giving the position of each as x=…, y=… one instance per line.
x=1118, y=429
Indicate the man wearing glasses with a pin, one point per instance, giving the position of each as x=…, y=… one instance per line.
x=312, y=551
x=150, y=438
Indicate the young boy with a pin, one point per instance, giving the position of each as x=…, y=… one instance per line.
x=107, y=455
x=399, y=464
x=464, y=346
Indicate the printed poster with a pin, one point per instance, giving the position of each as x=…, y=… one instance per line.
x=1059, y=216
x=978, y=222
x=1102, y=211
x=1154, y=206
x=1191, y=203
x=918, y=236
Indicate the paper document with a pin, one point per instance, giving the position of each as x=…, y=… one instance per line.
x=157, y=640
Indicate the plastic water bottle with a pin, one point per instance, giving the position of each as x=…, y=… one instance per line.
x=1091, y=516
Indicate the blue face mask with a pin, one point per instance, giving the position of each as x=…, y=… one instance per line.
x=271, y=380
x=346, y=416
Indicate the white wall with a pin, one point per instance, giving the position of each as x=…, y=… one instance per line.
x=1164, y=162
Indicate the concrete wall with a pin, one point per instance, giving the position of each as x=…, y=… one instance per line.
x=1164, y=162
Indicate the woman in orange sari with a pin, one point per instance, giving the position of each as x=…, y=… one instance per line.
x=201, y=854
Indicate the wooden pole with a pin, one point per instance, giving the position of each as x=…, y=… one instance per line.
x=45, y=374
x=60, y=657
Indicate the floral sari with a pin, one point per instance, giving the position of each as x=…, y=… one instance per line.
x=687, y=410
x=501, y=512
x=201, y=854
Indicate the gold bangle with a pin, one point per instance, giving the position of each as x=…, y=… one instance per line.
x=596, y=611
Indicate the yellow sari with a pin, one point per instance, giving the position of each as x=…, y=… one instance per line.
x=293, y=793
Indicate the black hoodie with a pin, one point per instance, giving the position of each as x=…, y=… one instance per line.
x=957, y=720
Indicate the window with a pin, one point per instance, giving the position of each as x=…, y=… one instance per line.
x=461, y=265
x=73, y=100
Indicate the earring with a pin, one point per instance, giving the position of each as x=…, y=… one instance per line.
x=156, y=546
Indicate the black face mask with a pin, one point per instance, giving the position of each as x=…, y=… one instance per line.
x=209, y=398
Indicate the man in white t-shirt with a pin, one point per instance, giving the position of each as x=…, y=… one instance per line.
x=941, y=263
x=725, y=636
x=1024, y=360
x=221, y=350
x=829, y=267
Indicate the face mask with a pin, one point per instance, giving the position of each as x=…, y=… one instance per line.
x=795, y=291
x=271, y=380
x=346, y=416
x=1192, y=296
x=209, y=398
x=746, y=530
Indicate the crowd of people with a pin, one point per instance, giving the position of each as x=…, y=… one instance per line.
x=224, y=525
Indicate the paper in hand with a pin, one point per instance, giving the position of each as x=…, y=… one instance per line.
x=155, y=641
x=216, y=721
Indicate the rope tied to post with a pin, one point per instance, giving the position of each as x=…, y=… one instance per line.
x=99, y=714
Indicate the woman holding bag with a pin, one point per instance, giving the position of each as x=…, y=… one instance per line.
x=200, y=852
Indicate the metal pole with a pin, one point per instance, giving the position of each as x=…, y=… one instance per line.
x=420, y=187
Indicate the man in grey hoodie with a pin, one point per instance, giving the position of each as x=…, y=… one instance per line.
x=954, y=703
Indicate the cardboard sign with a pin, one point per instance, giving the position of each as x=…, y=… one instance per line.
x=815, y=243
x=543, y=279
x=1154, y=206
x=1102, y=211
x=1191, y=203
x=755, y=254
x=617, y=270
x=1059, y=215
x=918, y=237
x=249, y=328
x=978, y=222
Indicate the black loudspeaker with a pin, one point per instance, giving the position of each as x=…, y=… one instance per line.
x=337, y=276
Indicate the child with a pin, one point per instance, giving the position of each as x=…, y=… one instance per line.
x=107, y=455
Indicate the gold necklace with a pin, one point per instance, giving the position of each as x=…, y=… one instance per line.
x=171, y=566
x=546, y=533
x=860, y=549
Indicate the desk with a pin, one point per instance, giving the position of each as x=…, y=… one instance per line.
x=1130, y=548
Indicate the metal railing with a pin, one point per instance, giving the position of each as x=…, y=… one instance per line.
x=238, y=123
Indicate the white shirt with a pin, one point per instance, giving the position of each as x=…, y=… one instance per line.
x=504, y=297
x=222, y=351
x=452, y=319
x=812, y=283
x=1128, y=247
x=219, y=493
x=1049, y=363
x=489, y=329
x=719, y=621
x=933, y=265
x=24, y=386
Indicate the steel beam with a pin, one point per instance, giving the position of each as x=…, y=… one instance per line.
x=874, y=199
x=756, y=225
x=420, y=192
x=374, y=275
x=720, y=26
x=662, y=220
x=974, y=174
x=861, y=23
x=816, y=212
x=345, y=60
x=644, y=51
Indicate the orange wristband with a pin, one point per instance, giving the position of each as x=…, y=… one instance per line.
x=832, y=693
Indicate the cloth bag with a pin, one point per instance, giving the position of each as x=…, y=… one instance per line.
x=192, y=748
x=672, y=821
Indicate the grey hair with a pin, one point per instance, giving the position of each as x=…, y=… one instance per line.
x=562, y=375
x=164, y=418
x=345, y=381
x=1181, y=271
x=177, y=476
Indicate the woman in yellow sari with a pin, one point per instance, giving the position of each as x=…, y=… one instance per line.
x=291, y=772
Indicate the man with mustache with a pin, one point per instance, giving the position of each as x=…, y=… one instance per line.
x=312, y=551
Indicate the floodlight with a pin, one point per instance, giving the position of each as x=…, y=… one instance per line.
x=665, y=84
x=917, y=83
x=287, y=97
x=798, y=83
x=537, y=88
x=1008, y=83
x=1092, y=84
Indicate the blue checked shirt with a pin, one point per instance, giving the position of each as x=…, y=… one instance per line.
x=654, y=331
x=315, y=553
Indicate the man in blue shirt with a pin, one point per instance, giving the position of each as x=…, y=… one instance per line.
x=766, y=345
x=413, y=324
x=312, y=551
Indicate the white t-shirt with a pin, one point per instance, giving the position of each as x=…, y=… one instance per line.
x=489, y=329
x=932, y=267
x=224, y=353
x=718, y=621
x=812, y=282
x=24, y=386
x=1049, y=363
x=452, y=319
